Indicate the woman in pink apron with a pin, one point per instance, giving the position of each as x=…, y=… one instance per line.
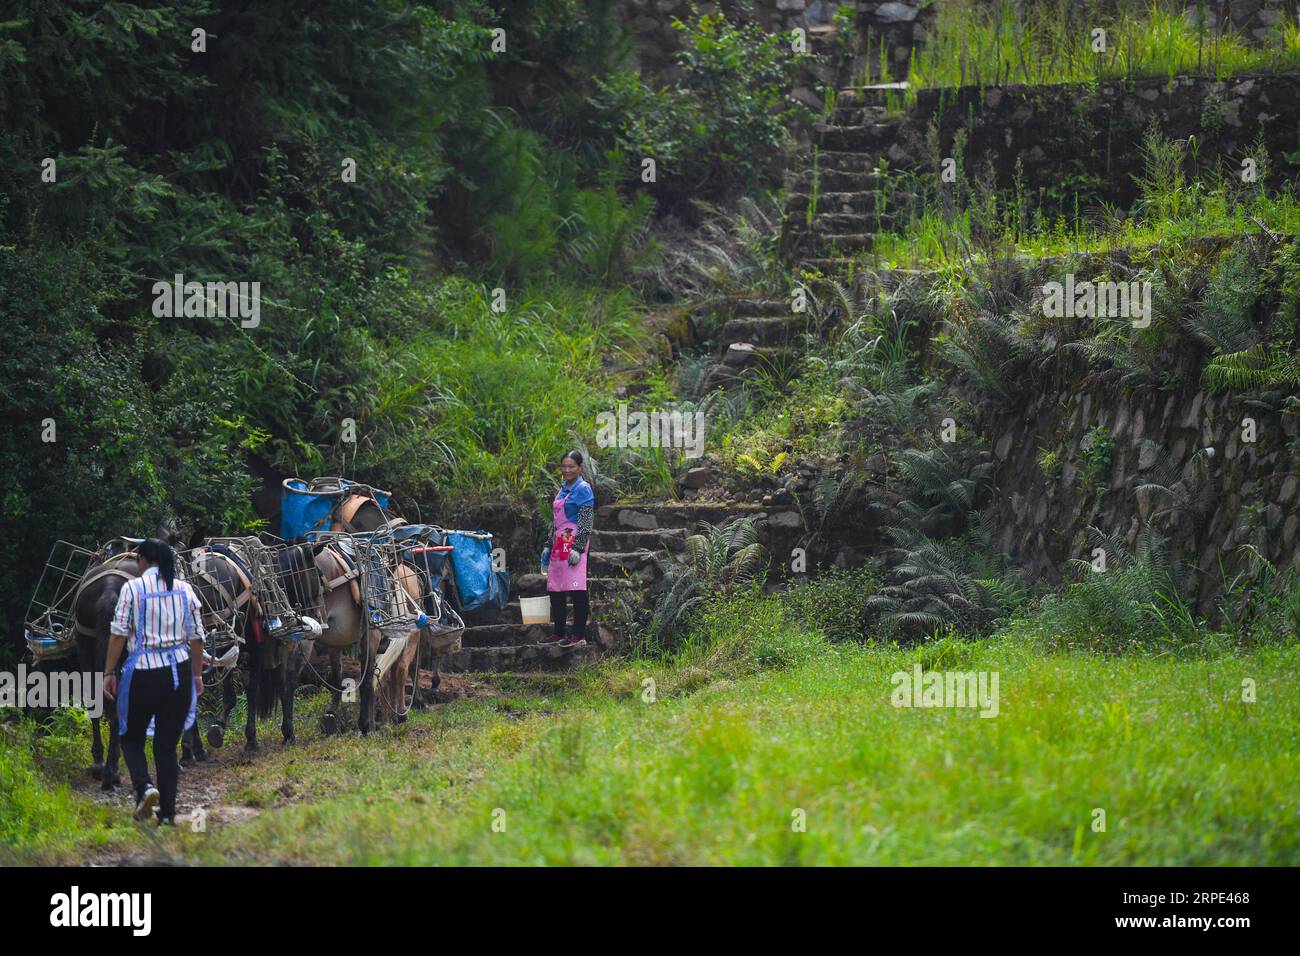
x=565, y=560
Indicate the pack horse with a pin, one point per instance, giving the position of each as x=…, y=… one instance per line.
x=346, y=572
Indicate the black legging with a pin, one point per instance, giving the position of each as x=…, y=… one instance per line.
x=580, y=608
x=152, y=695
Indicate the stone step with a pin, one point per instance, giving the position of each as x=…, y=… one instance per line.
x=848, y=242
x=868, y=137
x=765, y=330
x=845, y=161
x=517, y=658
x=503, y=635
x=652, y=540
x=838, y=223
x=684, y=515
x=853, y=113
x=875, y=94
x=739, y=356
x=740, y=306
x=859, y=202
x=833, y=180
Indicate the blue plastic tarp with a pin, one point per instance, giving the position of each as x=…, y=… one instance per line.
x=471, y=562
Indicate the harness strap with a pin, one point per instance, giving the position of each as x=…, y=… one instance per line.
x=350, y=576
x=348, y=508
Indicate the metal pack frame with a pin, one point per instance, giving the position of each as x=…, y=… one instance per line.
x=49, y=623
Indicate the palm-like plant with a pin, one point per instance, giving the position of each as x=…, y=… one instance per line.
x=1185, y=494
x=955, y=582
x=719, y=559
x=1140, y=597
x=990, y=349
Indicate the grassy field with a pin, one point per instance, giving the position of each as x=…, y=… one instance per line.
x=716, y=769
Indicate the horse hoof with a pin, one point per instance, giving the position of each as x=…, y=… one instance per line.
x=201, y=756
x=216, y=735
x=252, y=746
x=186, y=759
x=329, y=724
x=109, y=783
x=290, y=740
x=97, y=771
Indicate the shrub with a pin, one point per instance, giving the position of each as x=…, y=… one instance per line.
x=714, y=131
x=835, y=602
x=748, y=631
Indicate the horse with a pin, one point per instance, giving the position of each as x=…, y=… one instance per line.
x=345, y=623
x=230, y=599
x=93, y=605
x=359, y=512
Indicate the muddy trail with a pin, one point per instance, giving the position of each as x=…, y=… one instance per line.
x=213, y=784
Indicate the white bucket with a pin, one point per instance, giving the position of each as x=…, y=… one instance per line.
x=535, y=610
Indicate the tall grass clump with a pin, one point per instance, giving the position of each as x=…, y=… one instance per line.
x=37, y=809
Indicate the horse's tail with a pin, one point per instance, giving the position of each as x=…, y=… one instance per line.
x=264, y=666
x=270, y=684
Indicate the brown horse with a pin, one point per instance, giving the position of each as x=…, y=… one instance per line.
x=345, y=624
x=360, y=513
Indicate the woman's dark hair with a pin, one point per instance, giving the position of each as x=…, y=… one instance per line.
x=159, y=552
x=575, y=455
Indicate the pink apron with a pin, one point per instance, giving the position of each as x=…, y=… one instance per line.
x=560, y=575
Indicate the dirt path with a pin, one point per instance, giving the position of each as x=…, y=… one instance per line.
x=208, y=784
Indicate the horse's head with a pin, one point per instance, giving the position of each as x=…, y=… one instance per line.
x=168, y=531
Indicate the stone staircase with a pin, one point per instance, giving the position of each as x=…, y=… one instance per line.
x=631, y=547
x=836, y=201
x=843, y=186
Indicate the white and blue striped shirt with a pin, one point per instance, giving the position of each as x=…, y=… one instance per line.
x=164, y=619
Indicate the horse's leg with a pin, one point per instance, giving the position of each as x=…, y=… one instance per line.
x=229, y=697
x=86, y=661
x=294, y=657
x=251, y=695
x=105, y=609
x=329, y=722
x=110, y=777
x=192, y=746
x=366, y=711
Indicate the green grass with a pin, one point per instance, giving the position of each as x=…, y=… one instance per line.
x=760, y=718
x=1051, y=42
x=932, y=240
x=501, y=395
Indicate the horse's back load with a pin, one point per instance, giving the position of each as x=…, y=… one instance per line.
x=238, y=578
x=427, y=550
x=479, y=585
x=50, y=623
x=332, y=504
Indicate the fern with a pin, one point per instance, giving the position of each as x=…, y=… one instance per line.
x=1260, y=366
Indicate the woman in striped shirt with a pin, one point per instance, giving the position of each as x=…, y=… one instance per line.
x=159, y=621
